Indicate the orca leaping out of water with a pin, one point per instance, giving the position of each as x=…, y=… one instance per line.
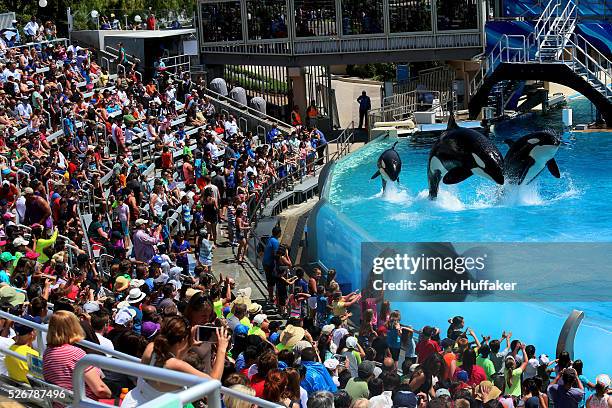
x=529, y=155
x=460, y=153
x=389, y=166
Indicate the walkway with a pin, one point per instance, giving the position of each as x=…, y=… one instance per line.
x=347, y=93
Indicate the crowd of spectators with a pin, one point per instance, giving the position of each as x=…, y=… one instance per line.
x=158, y=287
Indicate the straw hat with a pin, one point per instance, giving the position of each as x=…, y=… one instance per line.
x=254, y=308
x=486, y=391
x=291, y=335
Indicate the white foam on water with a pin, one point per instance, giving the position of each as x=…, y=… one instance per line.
x=396, y=194
x=521, y=195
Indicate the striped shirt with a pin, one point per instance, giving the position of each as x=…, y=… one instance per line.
x=59, y=363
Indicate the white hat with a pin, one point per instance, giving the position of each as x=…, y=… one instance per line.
x=140, y=222
x=177, y=285
x=603, y=379
x=174, y=271
x=162, y=278
x=91, y=307
x=190, y=292
x=20, y=241
x=377, y=371
x=327, y=329
x=124, y=316
x=136, y=283
x=331, y=364
x=122, y=305
x=351, y=342
x=259, y=319
x=544, y=360
x=246, y=292
x=135, y=295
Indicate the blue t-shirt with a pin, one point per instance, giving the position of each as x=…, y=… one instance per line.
x=303, y=285
x=4, y=278
x=393, y=339
x=270, y=251
x=183, y=246
x=137, y=320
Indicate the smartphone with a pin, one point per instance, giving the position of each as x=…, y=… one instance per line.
x=341, y=358
x=206, y=334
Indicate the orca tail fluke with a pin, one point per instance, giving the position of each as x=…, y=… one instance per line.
x=375, y=175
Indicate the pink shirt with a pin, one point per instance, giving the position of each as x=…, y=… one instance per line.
x=59, y=363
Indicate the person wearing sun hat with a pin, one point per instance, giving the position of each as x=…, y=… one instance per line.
x=260, y=326
x=135, y=297
x=122, y=282
x=486, y=391
x=10, y=296
x=289, y=337
x=601, y=398
x=6, y=265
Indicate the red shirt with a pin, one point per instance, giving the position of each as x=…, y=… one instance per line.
x=426, y=348
x=257, y=383
x=166, y=160
x=477, y=376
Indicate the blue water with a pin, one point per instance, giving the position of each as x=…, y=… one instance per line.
x=575, y=208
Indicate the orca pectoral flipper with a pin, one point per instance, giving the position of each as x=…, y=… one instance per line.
x=456, y=175
x=553, y=168
x=375, y=175
x=509, y=142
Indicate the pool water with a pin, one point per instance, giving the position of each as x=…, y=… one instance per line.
x=575, y=208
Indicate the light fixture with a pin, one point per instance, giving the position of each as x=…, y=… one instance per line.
x=94, y=13
x=42, y=3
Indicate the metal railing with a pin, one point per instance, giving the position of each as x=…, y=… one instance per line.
x=195, y=387
x=574, y=50
x=63, y=41
x=437, y=79
x=552, y=30
x=177, y=63
x=334, y=45
x=253, y=117
x=268, y=193
x=405, y=105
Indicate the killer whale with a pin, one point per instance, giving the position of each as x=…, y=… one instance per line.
x=389, y=166
x=460, y=153
x=528, y=156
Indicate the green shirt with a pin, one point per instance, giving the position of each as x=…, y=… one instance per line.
x=256, y=330
x=129, y=118
x=487, y=366
x=218, y=307
x=515, y=388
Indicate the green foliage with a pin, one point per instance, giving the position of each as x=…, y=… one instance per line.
x=81, y=9
x=248, y=79
x=378, y=72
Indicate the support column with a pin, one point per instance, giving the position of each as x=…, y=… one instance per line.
x=298, y=81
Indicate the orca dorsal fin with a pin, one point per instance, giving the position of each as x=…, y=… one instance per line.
x=452, y=123
x=553, y=168
x=394, y=144
x=509, y=142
